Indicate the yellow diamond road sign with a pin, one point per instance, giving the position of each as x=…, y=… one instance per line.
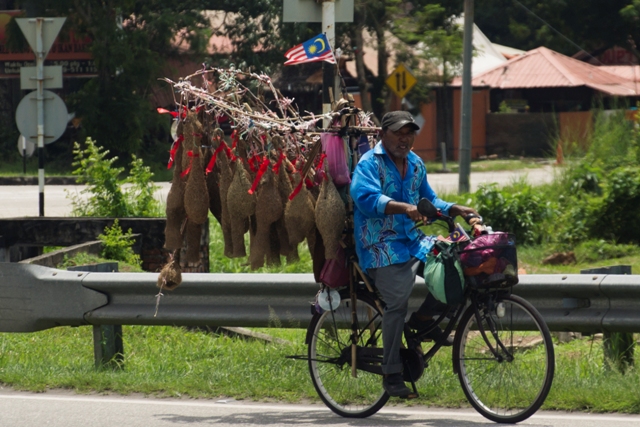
x=401, y=81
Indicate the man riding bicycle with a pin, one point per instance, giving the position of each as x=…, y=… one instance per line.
x=386, y=186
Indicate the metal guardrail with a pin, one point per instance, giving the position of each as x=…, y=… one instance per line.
x=33, y=298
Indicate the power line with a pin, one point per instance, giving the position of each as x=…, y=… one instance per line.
x=557, y=32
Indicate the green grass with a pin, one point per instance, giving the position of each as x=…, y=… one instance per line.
x=88, y=259
x=162, y=361
x=16, y=168
x=530, y=257
x=582, y=382
x=173, y=362
x=218, y=263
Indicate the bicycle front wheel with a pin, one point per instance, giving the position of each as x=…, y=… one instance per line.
x=330, y=358
x=506, y=373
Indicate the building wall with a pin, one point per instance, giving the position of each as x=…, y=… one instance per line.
x=480, y=108
x=535, y=134
x=520, y=134
x=426, y=144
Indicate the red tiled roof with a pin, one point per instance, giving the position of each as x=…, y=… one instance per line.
x=544, y=68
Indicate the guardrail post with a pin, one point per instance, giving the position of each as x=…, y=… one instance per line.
x=617, y=346
x=108, y=348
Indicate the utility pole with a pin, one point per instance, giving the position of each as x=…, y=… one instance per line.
x=328, y=78
x=466, y=101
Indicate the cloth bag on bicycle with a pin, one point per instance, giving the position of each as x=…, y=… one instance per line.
x=443, y=273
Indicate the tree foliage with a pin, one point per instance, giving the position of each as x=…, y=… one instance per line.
x=134, y=39
x=433, y=47
x=593, y=25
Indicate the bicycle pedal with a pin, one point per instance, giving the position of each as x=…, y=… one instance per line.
x=410, y=396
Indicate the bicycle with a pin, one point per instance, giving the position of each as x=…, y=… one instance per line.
x=502, y=351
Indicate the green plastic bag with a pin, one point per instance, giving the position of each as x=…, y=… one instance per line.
x=443, y=274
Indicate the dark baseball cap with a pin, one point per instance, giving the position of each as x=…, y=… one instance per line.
x=394, y=120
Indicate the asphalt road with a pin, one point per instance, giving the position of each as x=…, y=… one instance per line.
x=23, y=200
x=65, y=409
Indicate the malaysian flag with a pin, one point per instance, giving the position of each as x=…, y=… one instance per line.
x=315, y=49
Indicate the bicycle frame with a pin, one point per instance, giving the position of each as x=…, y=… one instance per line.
x=415, y=339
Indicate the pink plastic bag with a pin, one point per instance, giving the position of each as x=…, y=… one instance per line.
x=333, y=146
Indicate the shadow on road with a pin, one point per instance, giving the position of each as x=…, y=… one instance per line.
x=322, y=418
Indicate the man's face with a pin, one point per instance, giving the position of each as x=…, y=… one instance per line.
x=399, y=143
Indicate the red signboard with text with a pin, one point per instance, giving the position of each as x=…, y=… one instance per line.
x=71, y=52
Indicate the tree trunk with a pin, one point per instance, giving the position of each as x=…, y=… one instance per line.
x=362, y=76
x=382, y=70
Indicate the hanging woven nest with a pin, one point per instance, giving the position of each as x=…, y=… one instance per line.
x=192, y=132
x=289, y=250
x=226, y=176
x=212, y=180
x=268, y=210
x=175, y=211
x=299, y=216
x=330, y=217
x=170, y=276
x=241, y=205
x=196, y=196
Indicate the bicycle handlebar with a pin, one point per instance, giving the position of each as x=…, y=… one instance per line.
x=427, y=209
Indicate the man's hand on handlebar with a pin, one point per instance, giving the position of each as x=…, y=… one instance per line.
x=471, y=216
x=412, y=212
x=464, y=211
x=394, y=208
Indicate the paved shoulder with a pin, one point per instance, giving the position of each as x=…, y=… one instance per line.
x=448, y=182
x=66, y=409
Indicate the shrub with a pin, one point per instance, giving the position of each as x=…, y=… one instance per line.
x=140, y=200
x=577, y=219
x=108, y=195
x=519, y=210
x=584, y=215
x=611, y=140
x=600, y=192
x=584, y=177
x=118, y=246
x=622, y=195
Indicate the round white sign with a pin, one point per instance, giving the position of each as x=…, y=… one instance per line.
x=56, y=117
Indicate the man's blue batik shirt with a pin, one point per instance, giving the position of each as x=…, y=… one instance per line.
x=382, y=240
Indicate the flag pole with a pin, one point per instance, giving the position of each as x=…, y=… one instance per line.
x=343, y=85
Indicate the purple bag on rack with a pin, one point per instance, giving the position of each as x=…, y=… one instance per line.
x=333, y=146
x=335, y=272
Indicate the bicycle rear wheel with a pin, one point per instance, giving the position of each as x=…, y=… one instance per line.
x=510, y=385
x=330, y=358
